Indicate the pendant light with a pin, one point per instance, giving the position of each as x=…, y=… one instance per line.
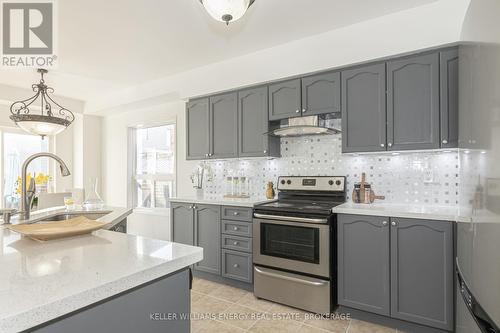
x=52, y=119
x=227, y=10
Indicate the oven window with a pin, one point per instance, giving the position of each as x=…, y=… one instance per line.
x=290, y=242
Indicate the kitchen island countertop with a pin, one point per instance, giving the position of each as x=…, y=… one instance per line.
x=42, y=281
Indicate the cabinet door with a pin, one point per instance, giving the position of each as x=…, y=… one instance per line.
x=364, y=109
x=321, y=94
x=224, y=126
x=284, y=100
x=449, y=98
x=207, y=235
x=422, y=272
x=413, y=103
x=182, y=223
x=253, y=122
x=197, y=128
x=363, y=263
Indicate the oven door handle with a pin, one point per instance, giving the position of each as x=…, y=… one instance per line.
x=290, y=218
x=289, y=278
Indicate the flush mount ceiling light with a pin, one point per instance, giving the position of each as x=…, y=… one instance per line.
x=227, y=10
x=52, y=119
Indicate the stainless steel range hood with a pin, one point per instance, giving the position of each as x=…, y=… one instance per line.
x=301, y=126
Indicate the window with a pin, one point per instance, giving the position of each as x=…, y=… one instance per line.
x=153, y=166
x=16, y=148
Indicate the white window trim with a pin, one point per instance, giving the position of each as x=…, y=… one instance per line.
x=131, y=166
x=15, y=130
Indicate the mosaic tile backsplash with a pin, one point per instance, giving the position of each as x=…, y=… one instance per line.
x=409, y=177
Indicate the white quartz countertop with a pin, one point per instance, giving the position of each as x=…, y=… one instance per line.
x=218, y=200
x=430, y=212
x=40, y=281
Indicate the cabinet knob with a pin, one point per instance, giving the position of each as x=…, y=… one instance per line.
x=236, y=213
x=206, y=155
x=297, y=111
x=382, y=145
x=445, y=141
x=235, y=228
x=235, y=243
x=304, y=110
x=236, y=265
x=389, y=144
x=194, y=206
x=210, y=155
x=393, y=223
x=265, y=151
x=384, y=223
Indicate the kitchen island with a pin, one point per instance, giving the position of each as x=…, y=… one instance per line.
x=103, y=281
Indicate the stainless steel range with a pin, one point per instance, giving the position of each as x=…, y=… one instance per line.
x=294, y=243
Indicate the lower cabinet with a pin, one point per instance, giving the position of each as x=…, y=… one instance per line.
x=397, y=267
x=207, y=236
x=227, y=244
x=363, y=263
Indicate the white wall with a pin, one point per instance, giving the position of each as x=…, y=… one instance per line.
x=114, y=163
x=114, y=149
x=422, y=27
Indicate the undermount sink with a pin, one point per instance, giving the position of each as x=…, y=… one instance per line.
x=67, y=216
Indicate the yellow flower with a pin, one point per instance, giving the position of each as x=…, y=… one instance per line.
x=40, y=179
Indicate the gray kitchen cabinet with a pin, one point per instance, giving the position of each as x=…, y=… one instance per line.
x=223, y=124
x=182, y=229
x=321, y=94
x=237, y=265
x=449, y=98
x=285, y=99
x=197, y=129
x=363, y=263
x=413, y=103
x=207, y=234
x=253, y=124
x=364, y=109
x=422, y=271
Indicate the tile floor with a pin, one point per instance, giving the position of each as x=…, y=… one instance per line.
x=219, y=308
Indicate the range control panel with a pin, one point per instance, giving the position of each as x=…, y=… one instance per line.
x=320, y=183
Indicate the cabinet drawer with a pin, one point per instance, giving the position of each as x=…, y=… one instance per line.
x=237, y=228
x=237, y=243
x=237, y=213
x=237, y=265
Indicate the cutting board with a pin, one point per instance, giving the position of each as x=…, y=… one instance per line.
x=58, y=229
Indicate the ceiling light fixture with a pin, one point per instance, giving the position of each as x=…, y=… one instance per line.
x=227, y=10
x=53, y=118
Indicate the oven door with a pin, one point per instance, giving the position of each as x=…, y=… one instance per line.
x=301, y=245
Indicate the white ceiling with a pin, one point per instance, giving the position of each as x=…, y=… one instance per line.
x=113, y=44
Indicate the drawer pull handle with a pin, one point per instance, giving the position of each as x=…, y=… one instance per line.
x=236, y=243
x=236, y=265
x=236, y=213
x=235, y=228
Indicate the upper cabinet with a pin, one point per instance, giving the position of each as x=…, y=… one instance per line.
x=197, y=130
x=321, y=94
x=413, y=103
x=363, y=109
x=284, y=100
x=449, y=98
x=406, y=103
x=223, y=126
x=311, y=95
x=253, y=124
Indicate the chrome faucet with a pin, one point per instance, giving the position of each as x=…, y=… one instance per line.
x=27, y=194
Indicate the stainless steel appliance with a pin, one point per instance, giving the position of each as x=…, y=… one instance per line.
x=478, y=228
x=294, y=243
